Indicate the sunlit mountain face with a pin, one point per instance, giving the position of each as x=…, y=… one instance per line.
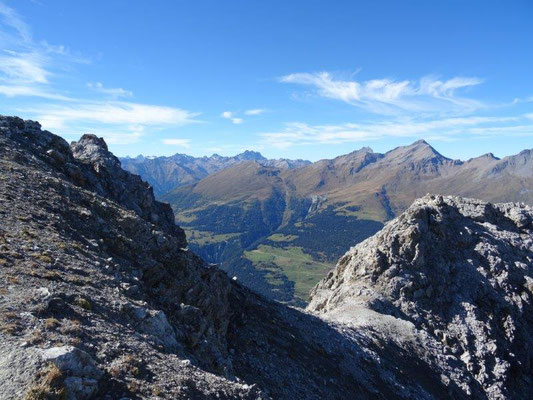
x=280, y=229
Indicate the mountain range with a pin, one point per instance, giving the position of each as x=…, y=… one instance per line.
x=280, y=230
x=167, y=173
x=100, y=298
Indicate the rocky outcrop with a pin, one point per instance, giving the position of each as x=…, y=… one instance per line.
x=459, y=272
x=89, y=258
x=90, y=165
x=127, y=189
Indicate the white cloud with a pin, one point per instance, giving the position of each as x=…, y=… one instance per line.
x=30, y=68
x=26, y=66
x=113, y=92
x=444, y=129
x=255, y=111
x=117, y=121
x=119, y=137
x=11, y=19
x=178, y=142
x=230, y=115
x=386, y=96
x=116, y=135
x=116, y=113
x=22, y=67
x=30, y=91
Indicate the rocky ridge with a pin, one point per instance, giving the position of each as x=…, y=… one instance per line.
x=168, y=173
x=457, y=269
x=99, y=298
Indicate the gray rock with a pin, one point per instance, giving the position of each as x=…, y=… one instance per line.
x=155, y=323
x=80, y=388
x=73, y=361
x=58, y=157
x=479, y=257
x=81, y=371
x=18, y=368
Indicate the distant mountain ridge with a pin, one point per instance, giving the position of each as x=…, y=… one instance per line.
x=279, y=230
x=167, y=173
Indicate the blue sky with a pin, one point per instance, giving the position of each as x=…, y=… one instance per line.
x=297, y=79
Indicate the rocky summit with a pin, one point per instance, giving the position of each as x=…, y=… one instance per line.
x=101, y=299
x=453, y=275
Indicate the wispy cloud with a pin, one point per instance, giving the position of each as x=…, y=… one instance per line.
x=177, y=142
x=119, y=122
x=115, y=113
x=229, y=115
x=113, y=92
x=255, y=111
x=11, y=19
x=30, y=91
x=26, y=65
x=23, y=67
x=441, y=129
x=387, y=96
x=31, y=68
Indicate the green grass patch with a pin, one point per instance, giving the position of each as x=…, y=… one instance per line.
x=201, y=238
x=297, y=265
x=184, y=218
x=279, y=237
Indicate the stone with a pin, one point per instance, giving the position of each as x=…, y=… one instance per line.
x=82, y=373
x=73, y=361
x=56, y=156
x=481, y=308
x=155, y=324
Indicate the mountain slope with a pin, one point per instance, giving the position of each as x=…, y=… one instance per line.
x=318, y=211
x=99, y=299
x=456, y=268
x=167, y=173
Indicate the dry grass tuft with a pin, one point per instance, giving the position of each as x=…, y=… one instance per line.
x=50, y=387
x=45, y=258
x=51, y=323
x=72, y=327
x=9, y=328
x=84, y=303
x=8, y=323
x=35, y=338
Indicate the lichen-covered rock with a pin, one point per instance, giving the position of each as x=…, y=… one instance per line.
x=459, y=270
